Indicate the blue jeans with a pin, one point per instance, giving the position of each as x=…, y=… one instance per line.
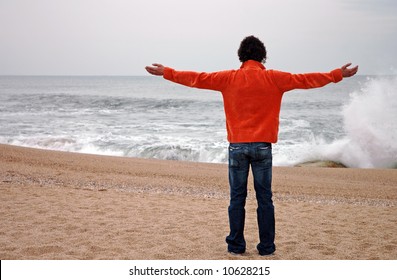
x=259, y=157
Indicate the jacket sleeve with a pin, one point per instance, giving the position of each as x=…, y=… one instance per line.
x=213, y=81
x=287, y=81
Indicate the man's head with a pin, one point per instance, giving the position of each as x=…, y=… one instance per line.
x=251, y=48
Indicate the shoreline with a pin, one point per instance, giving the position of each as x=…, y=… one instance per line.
x=318, y=163
x=62, y=205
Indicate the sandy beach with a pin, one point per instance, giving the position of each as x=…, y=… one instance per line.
x=58, y=205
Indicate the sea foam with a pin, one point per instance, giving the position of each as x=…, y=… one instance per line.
x=370, y=123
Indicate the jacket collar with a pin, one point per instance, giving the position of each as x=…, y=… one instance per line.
x=252, y=64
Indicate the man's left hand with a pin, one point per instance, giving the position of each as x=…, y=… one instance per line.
x=156, y=69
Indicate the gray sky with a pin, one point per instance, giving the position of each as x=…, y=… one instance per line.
x=120, y=37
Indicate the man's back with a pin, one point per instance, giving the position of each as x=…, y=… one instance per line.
x=252, y=103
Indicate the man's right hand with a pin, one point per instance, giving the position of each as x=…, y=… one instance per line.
x=156, y=69
x=346, y=72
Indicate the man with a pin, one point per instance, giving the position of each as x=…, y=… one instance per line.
x=252, y=99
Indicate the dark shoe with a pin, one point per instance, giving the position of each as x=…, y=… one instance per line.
x=266, y=251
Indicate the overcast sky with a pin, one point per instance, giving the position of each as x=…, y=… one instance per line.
x=120, y=37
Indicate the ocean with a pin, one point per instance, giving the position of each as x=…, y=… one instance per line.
x=353, y=122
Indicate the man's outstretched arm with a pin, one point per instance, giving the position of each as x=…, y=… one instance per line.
x=287, y=81
x=212, y=81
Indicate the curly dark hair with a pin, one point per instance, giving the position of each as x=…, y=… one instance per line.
x=251, y=48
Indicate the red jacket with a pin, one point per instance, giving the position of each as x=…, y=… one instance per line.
x=252, y=96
